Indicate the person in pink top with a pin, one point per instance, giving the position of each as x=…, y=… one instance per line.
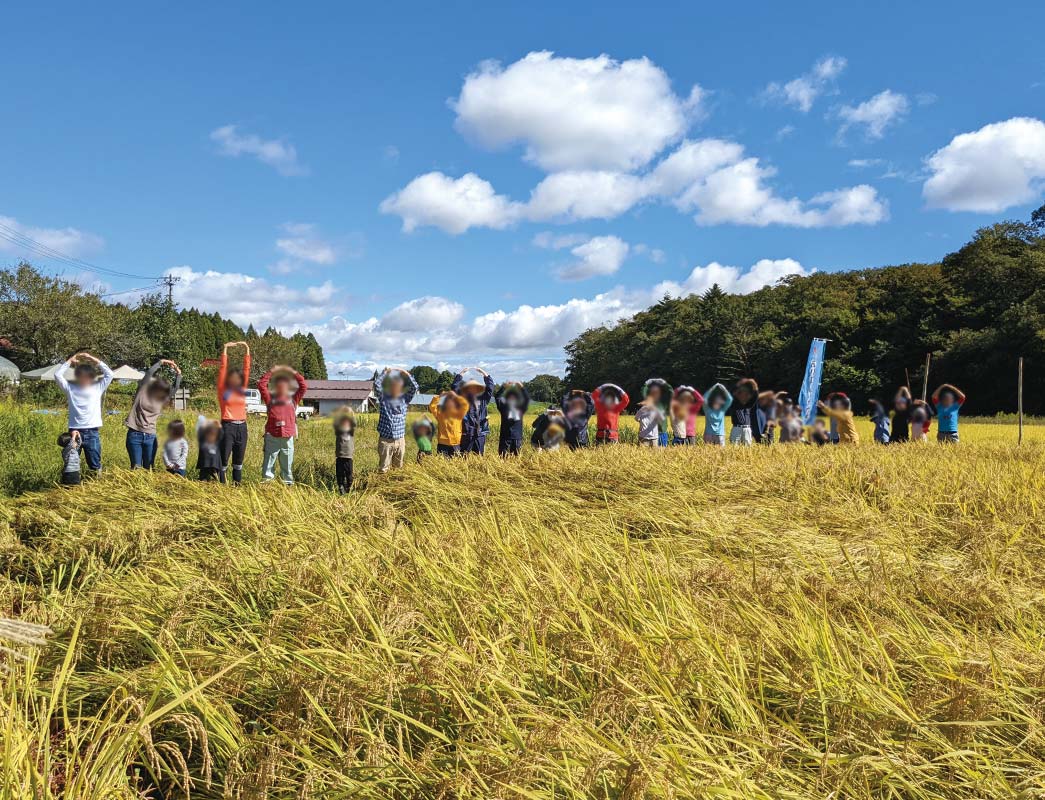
x=694, y=401
x=282, y=424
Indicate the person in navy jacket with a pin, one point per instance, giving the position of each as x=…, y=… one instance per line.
x=476, y=424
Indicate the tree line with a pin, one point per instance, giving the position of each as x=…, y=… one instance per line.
x=976, y=311
x=45, y=319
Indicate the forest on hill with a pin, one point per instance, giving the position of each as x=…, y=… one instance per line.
x=45, y=319
x=977, y=312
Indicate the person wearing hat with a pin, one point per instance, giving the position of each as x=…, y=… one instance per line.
x=609, y=400
x=475, y=426
x=512, y=402
x=448, y=409
x=578, y=407
x=423, y=430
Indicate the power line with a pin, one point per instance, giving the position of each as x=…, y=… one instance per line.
x=20, y=239
x=129, y=291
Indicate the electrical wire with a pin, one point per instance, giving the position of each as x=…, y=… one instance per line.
x=20, y=239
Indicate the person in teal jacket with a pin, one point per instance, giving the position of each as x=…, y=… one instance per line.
x=717, y=401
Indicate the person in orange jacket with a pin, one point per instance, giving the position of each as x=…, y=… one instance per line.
x=610, y=400
x=449, y=410
x=232, y=400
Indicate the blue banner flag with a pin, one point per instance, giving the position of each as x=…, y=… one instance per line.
x=810, y=391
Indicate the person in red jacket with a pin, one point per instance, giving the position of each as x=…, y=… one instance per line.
x=610, y=400
x=232, y=400
x=282, y=424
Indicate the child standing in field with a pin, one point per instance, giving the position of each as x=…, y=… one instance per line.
x=901, y=427
x=344, y=447
x=423, y=430
x=609, y=400
x=282, y=424
x=765, y=417
x=176, y=449
x=232, y=401
x=819, y=434
x=692, y=401
x=449, y=410
x=153, y=394
x=70, y=444
x=921, y=420
x=717, y=401
x=649, y=417
x=745, y=411
x=512, y=402
x=84, y=396
x=841, y=412
x=578, y=407
x=948, y=401
x=678, y=418
x=839, y=401
x=658, y=392
x=208, y=449
x=881, y=422
x=476, y=424
x=549, y=429
x=393, y=399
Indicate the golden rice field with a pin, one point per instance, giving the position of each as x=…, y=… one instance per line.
x=786, y=622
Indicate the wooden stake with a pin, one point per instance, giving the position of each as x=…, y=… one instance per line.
x=907, y=372
x=925, y=378
x=1019, y=401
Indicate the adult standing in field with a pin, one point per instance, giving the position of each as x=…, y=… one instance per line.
x=476, y=424
x=153, y=394
x=610, y=400
x=84, y=397
x=393, y=401
x=512, y=402
x=232, y=400
x=578, y=407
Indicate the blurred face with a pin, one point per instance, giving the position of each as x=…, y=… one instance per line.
x=947, y=398
x=900, y=402
x=471, y=391
x=212, y=434
x=717, y=402
x=83, y=375
x=394, y=386
x=577, y=406
x=345, y=425
x=836, y=402
x=281, y=387
x=743, y=394
x=234, y=380
x=611, y=397
x=653, y=394
x=158, y=391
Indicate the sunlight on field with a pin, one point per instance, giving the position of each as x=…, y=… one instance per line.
x=616, y=623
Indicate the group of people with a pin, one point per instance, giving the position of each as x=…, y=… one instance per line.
x=457, y=422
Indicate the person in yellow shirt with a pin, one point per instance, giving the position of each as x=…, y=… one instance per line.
x=448, y=408
x=841, y=411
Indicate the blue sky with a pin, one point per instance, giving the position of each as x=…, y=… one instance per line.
x=458, y=183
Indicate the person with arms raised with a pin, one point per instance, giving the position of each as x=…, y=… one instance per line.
x=84, y=397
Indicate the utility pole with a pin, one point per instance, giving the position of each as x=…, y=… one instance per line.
x=169, y=281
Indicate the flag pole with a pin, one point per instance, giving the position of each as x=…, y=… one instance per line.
x=1019, y=400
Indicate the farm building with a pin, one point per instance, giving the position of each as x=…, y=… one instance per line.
x=421, y=400
x=326, y=396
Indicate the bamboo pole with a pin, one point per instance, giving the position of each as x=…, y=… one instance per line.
x=1019, y=401
x=925, y=377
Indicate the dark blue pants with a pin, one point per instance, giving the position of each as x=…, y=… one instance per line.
x=141, y=447
x=91, y=445
x=509, y=446
x=474, y=444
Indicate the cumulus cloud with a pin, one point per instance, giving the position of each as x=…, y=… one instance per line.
x=988, y=170
x=600, y=255
x=69, y=242
x=803, y=91
x=302, y=241
x=276, y=153
x=876, y=114
x=575, y=113
x=566, y=196
x=733, y=280
x=423, y=314
x=453, y=204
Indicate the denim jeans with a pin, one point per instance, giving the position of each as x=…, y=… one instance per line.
x=141, y=448
x=91, y=445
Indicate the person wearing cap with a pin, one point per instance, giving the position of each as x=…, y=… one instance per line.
x=512, y=402
x=475, y=426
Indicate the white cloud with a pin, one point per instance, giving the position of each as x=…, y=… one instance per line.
x=876, y=114
x=277, y=153
x=249, y=300
x=69, y=242
x=423, y=314
x=566, y=196
x=802, y=92
x=733, y=280
x=550, y=241
x=988, y=170
x=865, y=163
x=600, y=255
x=455, y=205
x=570, y=113
x=302, y=242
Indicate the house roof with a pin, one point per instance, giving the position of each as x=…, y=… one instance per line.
x=422, y=399
x=339, y=390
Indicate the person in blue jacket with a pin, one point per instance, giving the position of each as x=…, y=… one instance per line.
x=476, y=424
x=512, y=402
x=578, y=406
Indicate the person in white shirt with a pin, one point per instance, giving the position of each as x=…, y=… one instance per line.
x=84, y=396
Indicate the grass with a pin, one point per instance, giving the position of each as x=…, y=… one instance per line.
x=787, y=622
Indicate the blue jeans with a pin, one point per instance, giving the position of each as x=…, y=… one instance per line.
x=91, y=445
x=141, y=447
